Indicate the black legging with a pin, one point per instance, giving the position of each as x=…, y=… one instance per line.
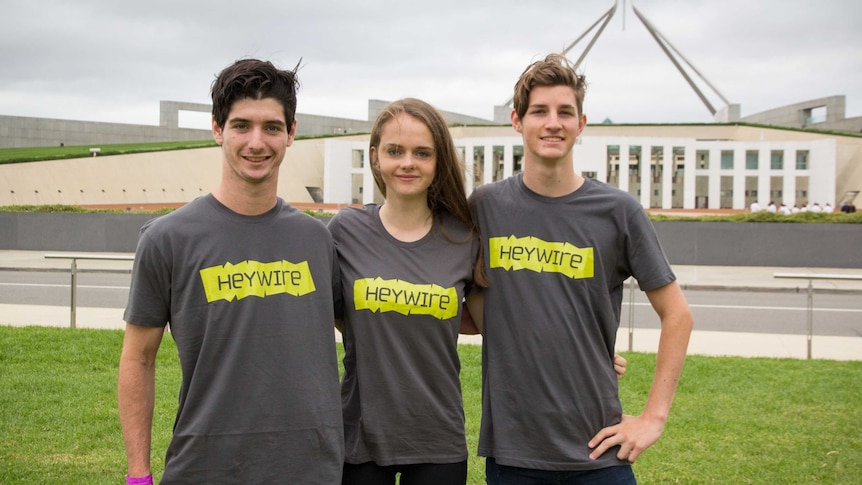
x=371, y=473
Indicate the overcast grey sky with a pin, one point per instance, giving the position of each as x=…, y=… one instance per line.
x=111, y=60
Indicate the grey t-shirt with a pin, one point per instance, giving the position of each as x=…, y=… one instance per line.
x=556, y=268
x=402, y=310
x=249, y=300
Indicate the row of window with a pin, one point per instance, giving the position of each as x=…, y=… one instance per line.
x=752, y=160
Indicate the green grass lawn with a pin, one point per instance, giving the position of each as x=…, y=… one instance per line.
x=735, y=420
x=34, y=154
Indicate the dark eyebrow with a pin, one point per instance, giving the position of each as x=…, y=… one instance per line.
x=564, y=106
x=267, y=122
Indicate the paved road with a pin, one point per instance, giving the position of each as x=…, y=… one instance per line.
x=99, y=290
x=761, y=312
x=770, y=312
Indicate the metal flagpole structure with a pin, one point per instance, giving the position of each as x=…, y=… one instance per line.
x=662, y=41
x=669, y=49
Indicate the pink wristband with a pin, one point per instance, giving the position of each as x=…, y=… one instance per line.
x=147, y=480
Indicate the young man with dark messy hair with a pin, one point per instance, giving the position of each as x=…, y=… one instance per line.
x=247, y=284
x=558, y=249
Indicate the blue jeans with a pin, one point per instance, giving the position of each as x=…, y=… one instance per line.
x=511, y=475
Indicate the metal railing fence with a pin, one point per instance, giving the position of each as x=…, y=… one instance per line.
x=73, y=301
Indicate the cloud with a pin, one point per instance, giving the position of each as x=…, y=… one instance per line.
x=114, y=61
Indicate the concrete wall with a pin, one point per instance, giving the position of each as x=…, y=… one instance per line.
x=798, y=115
x=71, y=231
x=761, y=244
x=19, y=131
x=847, y=124
x=685, y=242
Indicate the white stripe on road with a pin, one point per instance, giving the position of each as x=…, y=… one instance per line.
x=750, y=307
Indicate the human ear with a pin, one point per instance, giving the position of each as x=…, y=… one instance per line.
x=372, y=157
x=291, y=133
x=516, y=121
x=217, y=132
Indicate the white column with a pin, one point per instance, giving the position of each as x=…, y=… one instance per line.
x=646, y=174
x=789, y=185
x=367, y=179
x=738, y=178
x=468, y=168
x=764, y=176
x=508, y=155
x=624, y=165
x=488, y=165
x=714, y=192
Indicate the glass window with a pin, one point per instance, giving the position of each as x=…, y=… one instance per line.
x=358, y=158
x=726, y=193
x=478, y=165
x=613, y=161
x=678, y=177
x=802, y=160
x=635, y=170
x=701, y=192
x=776, y=189
x=517, y=159
x=777, y=160
x=356, y=189
x=750, y=190
x=702, y=159
x=727, y=159
x=498, y=162
x=802, y=191
x=751, y=160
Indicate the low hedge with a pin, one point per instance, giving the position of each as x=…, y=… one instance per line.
x=763, y=216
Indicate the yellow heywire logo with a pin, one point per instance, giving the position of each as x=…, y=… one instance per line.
x=379, y=295
x=253, y=278
x=515, y=253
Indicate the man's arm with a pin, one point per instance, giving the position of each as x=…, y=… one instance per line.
x=637, y=433
x=136, y=394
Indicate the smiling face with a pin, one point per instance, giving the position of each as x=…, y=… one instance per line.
x=405, y=158
x=254, y=139
x=550, y=125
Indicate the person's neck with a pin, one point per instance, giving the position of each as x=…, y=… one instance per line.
x=552, y=179
x=406, y=220
x=247, y=202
